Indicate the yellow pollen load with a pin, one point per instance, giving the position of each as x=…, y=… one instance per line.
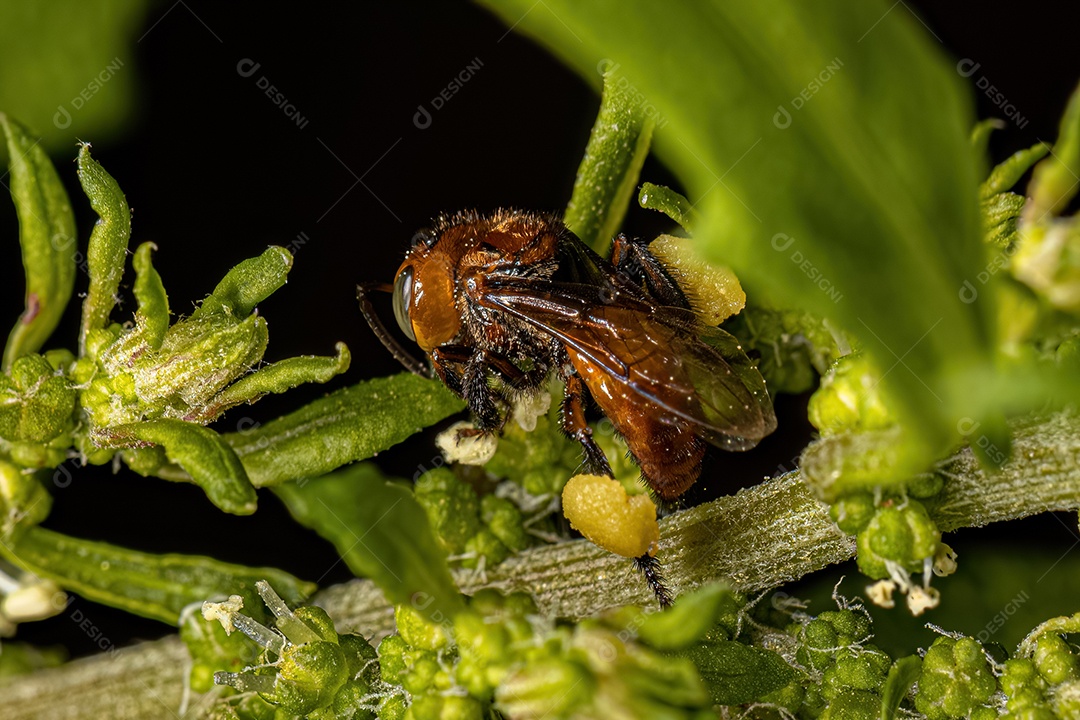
x=599, y=508
x=713, y=291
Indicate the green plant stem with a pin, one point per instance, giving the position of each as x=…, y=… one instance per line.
x=760, y=538
x=609, y=171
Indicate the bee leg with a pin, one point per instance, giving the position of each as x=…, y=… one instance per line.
x=574, y=425
x=649, y=567
x=451, y=364
x=632, y=258
x=483, y=400
x=514, y=376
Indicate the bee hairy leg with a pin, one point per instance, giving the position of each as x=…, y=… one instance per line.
x=574, y=425
x=649, y=567
x=515, y=377
x=483, y=400
x=631, y=257
x=450, y=362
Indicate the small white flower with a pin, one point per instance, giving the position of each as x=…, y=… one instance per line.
x=466, y=449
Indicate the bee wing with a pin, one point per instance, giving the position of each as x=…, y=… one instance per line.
x=757, y=420
x=655, y=351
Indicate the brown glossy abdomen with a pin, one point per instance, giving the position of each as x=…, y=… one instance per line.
x=668, y=453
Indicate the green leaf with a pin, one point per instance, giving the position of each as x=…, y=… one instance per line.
x=688, y=620
x=205, y=455
x=613, y=158
x=737, y=673
x=902, y=675
x=152, y=316
x=351, y=424
x=248, y=284
x=382, y=533
x=68, y=66
x=1056, y=179
x=153, y=586
x=1008, y=173
x=980, y=135
x=106, y=253
x=47, y=236
x=277, y=378
x=826, y=148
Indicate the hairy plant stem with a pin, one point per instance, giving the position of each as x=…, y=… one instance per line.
x=758, y=539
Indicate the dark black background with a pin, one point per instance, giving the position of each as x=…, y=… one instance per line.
x=214, y=172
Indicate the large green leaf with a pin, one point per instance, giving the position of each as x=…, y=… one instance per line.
x=826, y=147
x=67, y=67
x=381, y=532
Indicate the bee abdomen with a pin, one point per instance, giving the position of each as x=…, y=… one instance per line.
x=669, y=455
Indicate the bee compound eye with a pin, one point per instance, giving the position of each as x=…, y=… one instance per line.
x=403, y=292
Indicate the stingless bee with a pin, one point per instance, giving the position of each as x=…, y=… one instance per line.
x=515, y=296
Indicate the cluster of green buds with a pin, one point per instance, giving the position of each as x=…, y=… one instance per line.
x=541, y=459
x=898, y=543
x=305, y=667
x=1043, y=680
x=150, y=387
x=481, y=531
x=956, y=681
x=501, y=654
x=146, y=388
x=37, y=409
x=536, y=454
x=449, y=668
x=713, y=649
x=842, y=675
x=794, y=347
x=536, y=462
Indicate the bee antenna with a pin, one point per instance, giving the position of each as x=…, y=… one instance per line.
x=649, y=567
x=391, y=343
